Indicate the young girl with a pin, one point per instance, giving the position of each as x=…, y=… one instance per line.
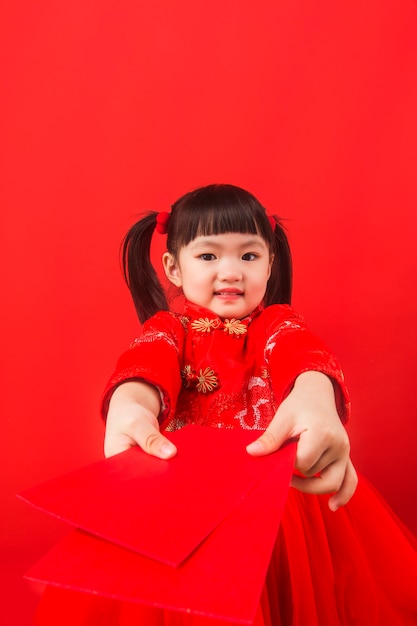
x=238, y=356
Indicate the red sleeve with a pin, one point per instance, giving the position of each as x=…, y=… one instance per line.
x=154, y=358
x=292, y=349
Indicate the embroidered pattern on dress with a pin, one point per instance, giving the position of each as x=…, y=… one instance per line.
x=264, y=372
x=204, y=325
x=207, y=380
x=176, y=424
x=184, y=320
x=255, y=381
x=204, y=381
x=234, y=327
x=187, y=376
x=151, y=336
x=252, y=416
x=250, y=407
x=288, y=325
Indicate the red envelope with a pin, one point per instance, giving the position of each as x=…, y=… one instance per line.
x=222, y=579
x=130, y=499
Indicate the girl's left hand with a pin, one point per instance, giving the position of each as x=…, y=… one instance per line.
x=309, y=414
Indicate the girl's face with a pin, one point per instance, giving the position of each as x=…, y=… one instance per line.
x=225, y=273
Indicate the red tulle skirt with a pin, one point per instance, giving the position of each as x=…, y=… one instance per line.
x=355, y=567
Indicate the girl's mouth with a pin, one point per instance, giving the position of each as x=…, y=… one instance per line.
x=231, y=293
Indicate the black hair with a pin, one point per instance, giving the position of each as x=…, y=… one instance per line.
x=210, y=210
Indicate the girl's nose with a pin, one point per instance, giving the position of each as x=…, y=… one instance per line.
x=230, y=271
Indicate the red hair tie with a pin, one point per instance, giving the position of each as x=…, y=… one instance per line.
x=272, y=221
x=162, y=221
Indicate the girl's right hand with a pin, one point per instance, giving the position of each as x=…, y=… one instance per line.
x=132, y=420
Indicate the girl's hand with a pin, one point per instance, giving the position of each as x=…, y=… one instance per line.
x=309, y=414
x=132, y=420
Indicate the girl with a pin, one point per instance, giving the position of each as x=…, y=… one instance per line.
x=238, y=356
x=227, y=257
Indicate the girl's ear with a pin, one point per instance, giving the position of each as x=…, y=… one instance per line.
x=171, y=269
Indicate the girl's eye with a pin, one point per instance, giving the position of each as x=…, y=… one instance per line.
x=248, y=256
x=207, y=257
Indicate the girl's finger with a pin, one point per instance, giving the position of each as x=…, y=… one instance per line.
x=347, y=489
x=152, y=441
x=329, y=481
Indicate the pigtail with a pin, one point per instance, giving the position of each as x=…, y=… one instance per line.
x=279, y=288
x=139, y=273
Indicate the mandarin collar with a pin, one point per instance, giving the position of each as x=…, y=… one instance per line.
x=195, y=312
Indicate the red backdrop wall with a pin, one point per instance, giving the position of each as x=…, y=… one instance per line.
x=114, y=108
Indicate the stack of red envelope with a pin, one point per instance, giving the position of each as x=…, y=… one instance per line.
x=194, y=533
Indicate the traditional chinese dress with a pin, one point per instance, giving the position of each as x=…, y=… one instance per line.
x=356, y=567
x=225, y=373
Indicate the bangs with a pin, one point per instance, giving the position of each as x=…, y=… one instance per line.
x=216, y=221
x=215, y=210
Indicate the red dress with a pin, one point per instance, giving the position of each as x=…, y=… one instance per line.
x=355, y=567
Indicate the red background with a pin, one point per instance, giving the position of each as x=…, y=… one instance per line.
x=114, y=108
